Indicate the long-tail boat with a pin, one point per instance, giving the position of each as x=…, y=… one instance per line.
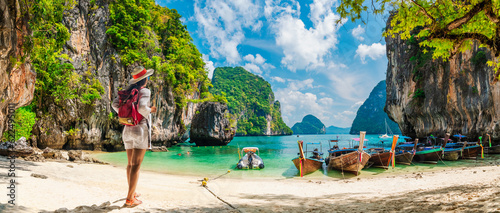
x=469, y=150
x=491, y=149
x=307, y=165
x=451, y=154
x=351, y=161
x=430, y=154
x=382, y=158
x=404, y=156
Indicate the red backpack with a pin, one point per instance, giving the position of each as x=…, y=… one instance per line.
x=129, y=104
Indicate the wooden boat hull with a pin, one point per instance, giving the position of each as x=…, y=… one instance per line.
x=404, y=158
x=309, y=165
x=428, y=156
x=471, y=152
x=492, y=150
x=451, y=155
x=380, y=159
x=349, y=162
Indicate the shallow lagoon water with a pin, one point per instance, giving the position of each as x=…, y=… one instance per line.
x=277, y=153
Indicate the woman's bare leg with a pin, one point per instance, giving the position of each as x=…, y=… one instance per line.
x=137, y=156
x=129, y=165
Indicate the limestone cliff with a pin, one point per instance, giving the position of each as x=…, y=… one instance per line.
x=371, y=117
x=251, y=99
x=70, y=123
x=17, y=81
x=426, y=96
x=211, y=125
x=309, y=125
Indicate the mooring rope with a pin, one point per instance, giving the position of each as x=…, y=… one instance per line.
x=206, y=187
x=439, y=157
x=228, y=171
x=204, y=184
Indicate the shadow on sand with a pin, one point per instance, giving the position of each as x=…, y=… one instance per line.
x=452, y=199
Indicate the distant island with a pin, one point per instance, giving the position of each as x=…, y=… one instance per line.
x=250, y=101
x=371, y=116
x=337, y=130
x=309, y=125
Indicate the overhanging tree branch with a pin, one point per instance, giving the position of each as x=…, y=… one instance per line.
x=422, y=9
x=468, y=16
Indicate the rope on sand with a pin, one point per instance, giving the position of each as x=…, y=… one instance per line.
x=228, y=171
x=204, y=184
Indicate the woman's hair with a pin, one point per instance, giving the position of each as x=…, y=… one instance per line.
x=137, y=85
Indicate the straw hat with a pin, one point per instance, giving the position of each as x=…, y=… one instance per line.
x=140, y=73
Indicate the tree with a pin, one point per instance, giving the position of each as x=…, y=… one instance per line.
x=445, y=26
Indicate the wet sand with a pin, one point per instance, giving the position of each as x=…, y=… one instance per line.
x=72, y=187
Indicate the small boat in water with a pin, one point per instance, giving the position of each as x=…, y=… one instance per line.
x=380, y=157
x=350, y=160
x=468, y=150
x=305, y=164
x=450, y=154
x=405, y=152
x=431, y=154
x=250, y=160
x=386, y=136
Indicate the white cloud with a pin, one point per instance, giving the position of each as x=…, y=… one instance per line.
x=253, y=68
x=300, y=85
x=304, y=48
x=357, y=32
x=357, y=104
x=222, y=22
x=348, y=113
x=296, y=104
x=209, y=65
x=257, y=64
x=278, y=79
x=374, y=51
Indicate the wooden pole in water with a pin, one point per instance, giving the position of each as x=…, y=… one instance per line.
x=392, y=158
x=415, y=146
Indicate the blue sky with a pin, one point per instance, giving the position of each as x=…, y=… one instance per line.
x=314, y=66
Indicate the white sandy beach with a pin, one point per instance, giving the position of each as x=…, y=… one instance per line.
x=73, y=187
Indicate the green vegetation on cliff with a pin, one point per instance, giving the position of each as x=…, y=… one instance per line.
x=251, y=99
x=138, y=24
x=309, y=125
x=448, y=27
x=371, y=116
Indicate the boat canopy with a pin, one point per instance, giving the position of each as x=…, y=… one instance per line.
x=250, y=149
x=459, y=136
x=357, y=139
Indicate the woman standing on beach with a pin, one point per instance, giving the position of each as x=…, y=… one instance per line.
x=137, y=138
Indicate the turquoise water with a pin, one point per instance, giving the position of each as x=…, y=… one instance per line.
x=276, y=152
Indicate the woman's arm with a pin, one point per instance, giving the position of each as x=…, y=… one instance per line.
x=145, y=95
